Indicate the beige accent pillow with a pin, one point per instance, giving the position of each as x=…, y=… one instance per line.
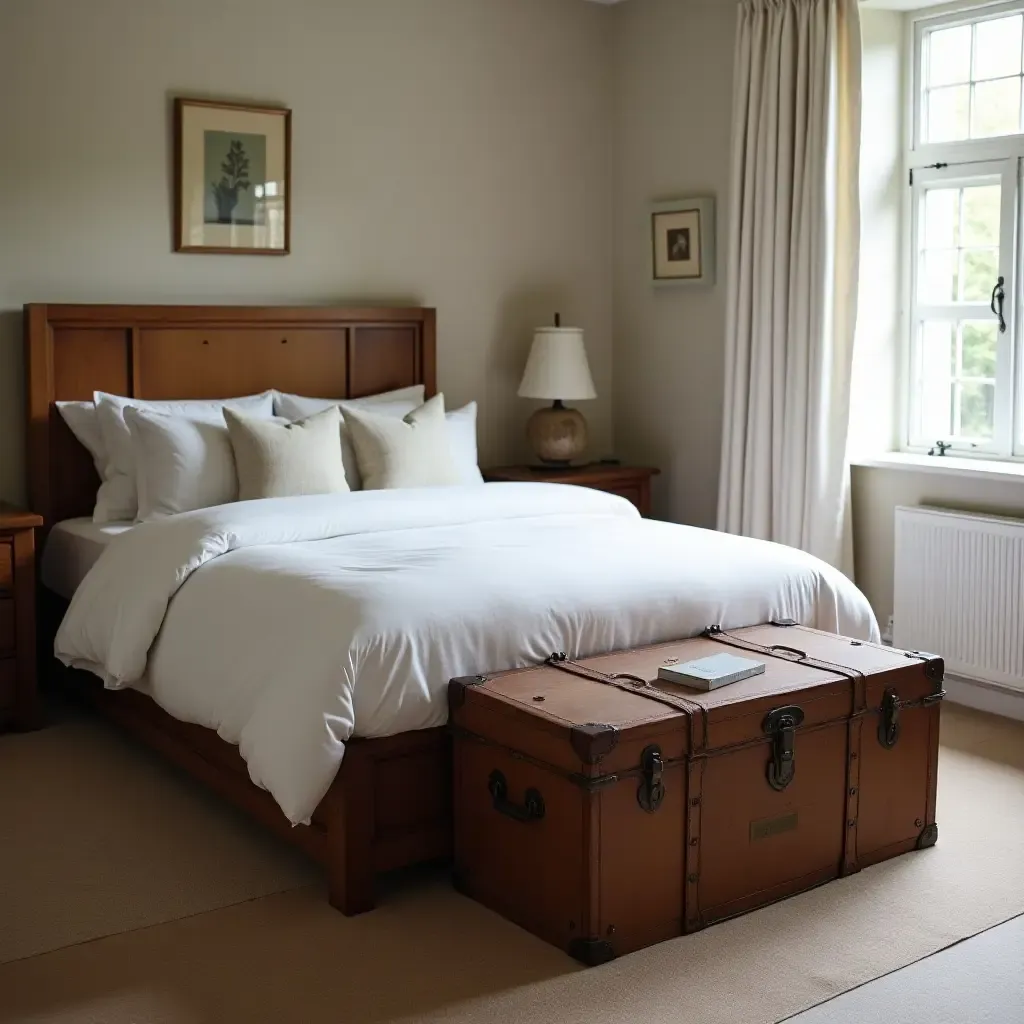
x=410, y=452
x=280, y=460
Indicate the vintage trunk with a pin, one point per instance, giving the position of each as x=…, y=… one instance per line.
x=605, y=814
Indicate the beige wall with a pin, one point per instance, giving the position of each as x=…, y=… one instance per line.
x=673, y=95
x=880, y=322
x=455, y=153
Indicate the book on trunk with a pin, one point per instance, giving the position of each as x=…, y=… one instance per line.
x=712, y=672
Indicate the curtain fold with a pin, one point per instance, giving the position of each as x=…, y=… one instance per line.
x=794, y=235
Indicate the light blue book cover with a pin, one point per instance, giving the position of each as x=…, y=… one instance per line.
x=712, y=672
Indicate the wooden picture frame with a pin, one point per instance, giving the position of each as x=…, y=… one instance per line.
x=248, y=210
x=683, y=242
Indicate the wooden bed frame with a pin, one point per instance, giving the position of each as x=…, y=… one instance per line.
x=389, y=805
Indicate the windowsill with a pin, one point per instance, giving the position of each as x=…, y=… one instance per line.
x=947, y=465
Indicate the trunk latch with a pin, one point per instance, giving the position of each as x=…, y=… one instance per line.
x=781, y=724
x=652, y=789
x=889, y=722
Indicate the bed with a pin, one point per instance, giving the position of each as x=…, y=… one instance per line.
x=294, y=626
x=389, y=806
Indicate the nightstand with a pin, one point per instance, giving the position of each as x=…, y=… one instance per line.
x=632, y=482
x=18, y=702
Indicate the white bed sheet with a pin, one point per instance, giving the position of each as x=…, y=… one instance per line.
x=72, y=548
x=291, y=624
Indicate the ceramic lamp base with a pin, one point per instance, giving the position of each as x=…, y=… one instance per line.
x=557, y=434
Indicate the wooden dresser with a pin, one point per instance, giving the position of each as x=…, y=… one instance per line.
x=632, y=482
x=18, y=703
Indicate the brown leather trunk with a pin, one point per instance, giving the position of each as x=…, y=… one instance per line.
x=604, y=820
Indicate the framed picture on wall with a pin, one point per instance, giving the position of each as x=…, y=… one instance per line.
x=683, y=241
x=232, y=178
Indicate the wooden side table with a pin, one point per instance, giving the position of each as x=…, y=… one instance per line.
x=18, y=699
x=631, y=482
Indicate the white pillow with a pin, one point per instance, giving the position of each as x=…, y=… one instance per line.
x=411, y=452
x=462, y=438
x=276, y=460
x=118, y=498
x=387, y=403
x=181, y=464
x=84, y=422
x=298, y=407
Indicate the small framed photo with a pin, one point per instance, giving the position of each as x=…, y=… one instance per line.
x=232, y=178
x=683, y=242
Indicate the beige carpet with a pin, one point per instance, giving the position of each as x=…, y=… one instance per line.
x=99, y=836
x=428, y=954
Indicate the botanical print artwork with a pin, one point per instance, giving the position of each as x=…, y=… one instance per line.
x=235, y=170
x=232, y=178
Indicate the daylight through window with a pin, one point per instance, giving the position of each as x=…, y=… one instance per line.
x=965, y=360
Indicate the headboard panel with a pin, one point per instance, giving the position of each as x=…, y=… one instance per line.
x=164, y=352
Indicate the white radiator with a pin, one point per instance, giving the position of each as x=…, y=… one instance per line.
x=959, y=592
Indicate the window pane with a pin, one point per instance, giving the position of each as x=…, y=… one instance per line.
x=996, y=108
x=978, y=348
x=939, y=276
x=959, y=260
x=949, y=55
x=981, y=215
x=978, y=273
x=948, y=111
x=939, y=349
x=942, y=219
x=997, y=47
x=937, y=358
x=977, y=404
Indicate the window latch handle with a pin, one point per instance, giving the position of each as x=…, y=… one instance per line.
x=998, y=295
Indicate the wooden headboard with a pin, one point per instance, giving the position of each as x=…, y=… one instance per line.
x=167, y=352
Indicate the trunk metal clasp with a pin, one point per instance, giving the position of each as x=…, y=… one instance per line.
x=781, y=724
x=889, y=722
x=652, y=789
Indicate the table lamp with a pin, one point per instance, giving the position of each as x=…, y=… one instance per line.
x=557, y=369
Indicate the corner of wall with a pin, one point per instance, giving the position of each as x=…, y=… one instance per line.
x=874, y=398
x=671, y=141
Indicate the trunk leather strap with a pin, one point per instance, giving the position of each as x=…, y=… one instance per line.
x=696, y=714
x=624, y=681
x=858, y=678
x=791, y=654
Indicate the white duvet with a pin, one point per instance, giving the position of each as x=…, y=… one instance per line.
x=291, y=624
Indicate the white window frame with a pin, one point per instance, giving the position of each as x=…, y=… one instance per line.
x=1005, y=172
x=958, y=160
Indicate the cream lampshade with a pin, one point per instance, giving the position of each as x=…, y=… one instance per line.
x=557, y=369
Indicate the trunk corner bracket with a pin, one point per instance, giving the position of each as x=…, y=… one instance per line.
x=591, y=952
x=929, y=836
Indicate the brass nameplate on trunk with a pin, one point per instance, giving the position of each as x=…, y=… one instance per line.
x=768, y=827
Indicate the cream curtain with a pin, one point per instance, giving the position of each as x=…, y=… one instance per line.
x=793, y=255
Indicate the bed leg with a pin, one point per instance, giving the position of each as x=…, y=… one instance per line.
x=350, y=829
